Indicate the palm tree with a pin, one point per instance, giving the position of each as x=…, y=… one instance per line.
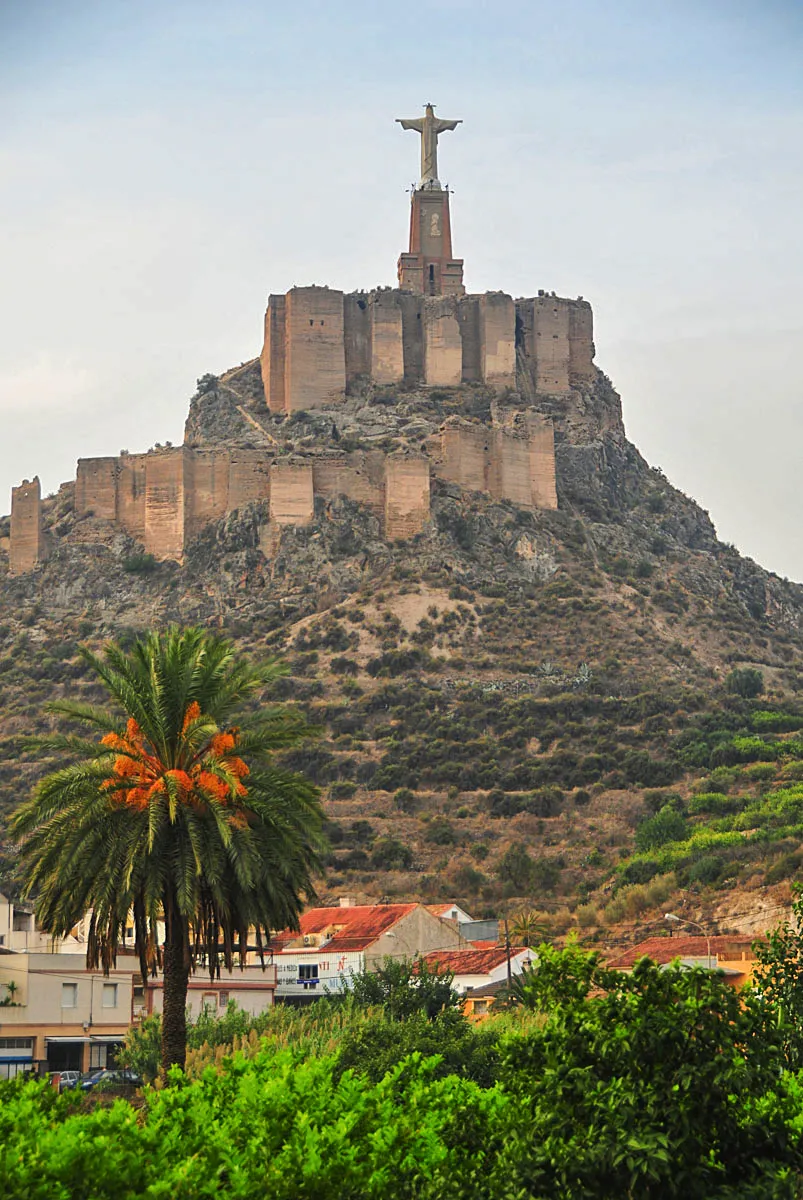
x=527, y=927
x=175, y=813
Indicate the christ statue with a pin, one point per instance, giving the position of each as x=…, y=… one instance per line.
x=429, y=126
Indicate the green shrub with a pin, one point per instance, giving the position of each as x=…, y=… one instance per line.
x=342, y=789
x=440, y=832
x=666, y=826
x=767, y=721
x=516, y=867
x=389, y=854
x=746, y=682
x=784, y=868
x=640, y=870
x=760, y=772
x=707, y=869
x=140, y=564
x=405, y=799
x=715, y=803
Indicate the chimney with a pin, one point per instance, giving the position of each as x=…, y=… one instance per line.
x=347, y=902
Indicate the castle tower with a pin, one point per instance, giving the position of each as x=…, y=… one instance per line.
x=428, y=267
x=27, y=546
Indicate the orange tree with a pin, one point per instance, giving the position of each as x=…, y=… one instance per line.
x=172, y=808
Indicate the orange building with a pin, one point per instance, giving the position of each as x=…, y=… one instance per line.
x=732, y=954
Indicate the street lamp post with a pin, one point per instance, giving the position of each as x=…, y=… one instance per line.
x=674, y=919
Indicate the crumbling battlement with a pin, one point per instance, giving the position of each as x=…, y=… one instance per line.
x=27, y=541
x=321, y=344
x=166, y=497
x=507, y=464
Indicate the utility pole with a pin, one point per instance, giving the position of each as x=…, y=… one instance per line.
x=507, y=952
x=675, y=920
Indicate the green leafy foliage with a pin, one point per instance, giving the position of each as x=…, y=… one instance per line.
x=404, y=987
x=658, y=1084
x=746, y=682
x=668, y=825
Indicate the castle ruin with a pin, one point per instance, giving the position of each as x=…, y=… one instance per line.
x=322, y=346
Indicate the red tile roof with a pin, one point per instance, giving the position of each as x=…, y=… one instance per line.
x=471, y=962
x=487, y=945
x=353, y=928
x=665, y=949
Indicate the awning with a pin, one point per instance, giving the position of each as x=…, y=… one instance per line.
x=48, y=1038
x=107, y=1039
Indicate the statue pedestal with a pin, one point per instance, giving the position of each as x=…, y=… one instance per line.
x=428, y=266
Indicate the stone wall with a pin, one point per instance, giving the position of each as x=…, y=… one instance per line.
x=466, y=456
x=412, y=308
x=581, y=342
x=168, y=480
x=249, y=478
x=356, y=338
x=27, y=542
x=406, y=495
x=387, y=352
x=273, y=355
x=166, y=497
x=497, y=339
x=291, y=494
x=509, y=476
x=315, y=362
x=542, y=461
x=556, y=344
x=96, y=487
x=505, y=463
x=130, y=500
x=320, y=344
x=210, y=486
x=359, y=476
x=443, y=345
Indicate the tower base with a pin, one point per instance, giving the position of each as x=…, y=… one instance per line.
x=428, y=266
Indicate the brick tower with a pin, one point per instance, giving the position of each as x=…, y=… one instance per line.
x=428, y=267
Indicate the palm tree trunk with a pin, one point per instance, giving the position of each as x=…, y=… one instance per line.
x=176, y=980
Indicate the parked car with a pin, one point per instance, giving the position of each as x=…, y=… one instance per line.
x=67, y=1079
x=109, y=1077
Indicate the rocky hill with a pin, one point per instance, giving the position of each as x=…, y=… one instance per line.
x=519, y=706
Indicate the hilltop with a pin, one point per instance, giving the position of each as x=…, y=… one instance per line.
x=508, y=678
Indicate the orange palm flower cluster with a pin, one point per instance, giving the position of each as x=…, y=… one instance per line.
x=214, y=770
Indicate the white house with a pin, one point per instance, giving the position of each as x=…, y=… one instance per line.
x=449, y=911
x=474, y=968
x=333, y=944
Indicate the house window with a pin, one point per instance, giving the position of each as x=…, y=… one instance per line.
x=308, y=975
x=223, y=999
x=110, y=995
x=209, y=1000
x=139, y=998
x=480, y=1006
x=98, y=1056
x=69, y=995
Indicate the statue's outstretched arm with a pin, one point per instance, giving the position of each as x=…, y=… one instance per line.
x=443, y=126
x=417, y=125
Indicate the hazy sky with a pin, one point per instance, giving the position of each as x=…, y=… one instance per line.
x=166, y=164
